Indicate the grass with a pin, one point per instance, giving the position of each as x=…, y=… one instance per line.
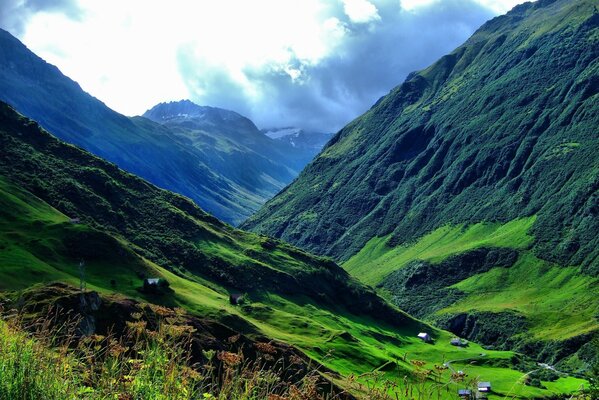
x=155, y=364
x=377, y=259
x=145, y=364
x=29, y=370
x=558, y=301
x=345, y=343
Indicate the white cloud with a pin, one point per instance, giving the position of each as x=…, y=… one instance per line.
x=249, y=55
x=360, y=11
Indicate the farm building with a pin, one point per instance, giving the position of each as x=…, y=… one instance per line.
x=148, y=282
x=484, y=387
x=236, y=298
x=465, y=393
x=155, y=285
x=425, y=337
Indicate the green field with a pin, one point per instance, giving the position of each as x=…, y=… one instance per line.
x=32, y=237
x=559, y=302
x=377, y=259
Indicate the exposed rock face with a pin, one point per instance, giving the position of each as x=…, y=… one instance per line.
x=89, y=303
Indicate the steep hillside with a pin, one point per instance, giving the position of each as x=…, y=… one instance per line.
x=129, y=229
x=498, y=136
x=208, y=174
x=503, y=127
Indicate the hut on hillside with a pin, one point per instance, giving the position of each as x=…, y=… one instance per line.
x=458, y=342
x=426, y=338
x=484, y=387
x=155, y=285
x=465, y=394
x=148, y=282
x=236, y=298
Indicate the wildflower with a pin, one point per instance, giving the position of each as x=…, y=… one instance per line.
x=231, y=359
x=276, y=397
x=209, y=354
x=266, y=348
x=295, y=359
x=234, y=338
x=136, y=316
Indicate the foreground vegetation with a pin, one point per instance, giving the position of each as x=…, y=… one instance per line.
x=146, y=364
x=51, y=364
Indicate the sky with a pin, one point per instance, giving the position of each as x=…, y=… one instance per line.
x=315, y=64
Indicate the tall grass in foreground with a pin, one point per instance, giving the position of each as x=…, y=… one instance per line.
x=39, y=363
x=144, y=364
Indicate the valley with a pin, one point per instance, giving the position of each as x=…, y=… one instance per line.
x=343, y=326
x=441, y=245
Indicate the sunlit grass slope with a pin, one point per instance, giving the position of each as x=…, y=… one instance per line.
x=377, y=259
x=559, y=302
x=345, y=343
x=32, y=237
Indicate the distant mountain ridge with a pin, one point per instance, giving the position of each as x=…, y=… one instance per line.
x=209, y=116
x=220, y=161
x=299, y=138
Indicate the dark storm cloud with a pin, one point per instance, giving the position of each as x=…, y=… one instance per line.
x=372, y=59
x=14, y=14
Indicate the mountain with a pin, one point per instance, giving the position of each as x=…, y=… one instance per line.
x=240, y=143
x=469, y=193
x=59, y=204
x=299, y=138
x=211, y=120
x=223, y=162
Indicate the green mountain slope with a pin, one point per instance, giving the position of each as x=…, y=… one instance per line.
x=209, y=174
x=493, y=146
x=130, y=229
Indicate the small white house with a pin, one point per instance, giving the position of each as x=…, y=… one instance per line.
x=425, y=337
x=484, y=387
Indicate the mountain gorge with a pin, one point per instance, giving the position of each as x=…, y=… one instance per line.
x=225, y=165
x=445, y=239
x=492, y=149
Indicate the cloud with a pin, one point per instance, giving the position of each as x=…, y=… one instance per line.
x=14, y=14
x=364, y=63
x=312, y=63
x=360, y=11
